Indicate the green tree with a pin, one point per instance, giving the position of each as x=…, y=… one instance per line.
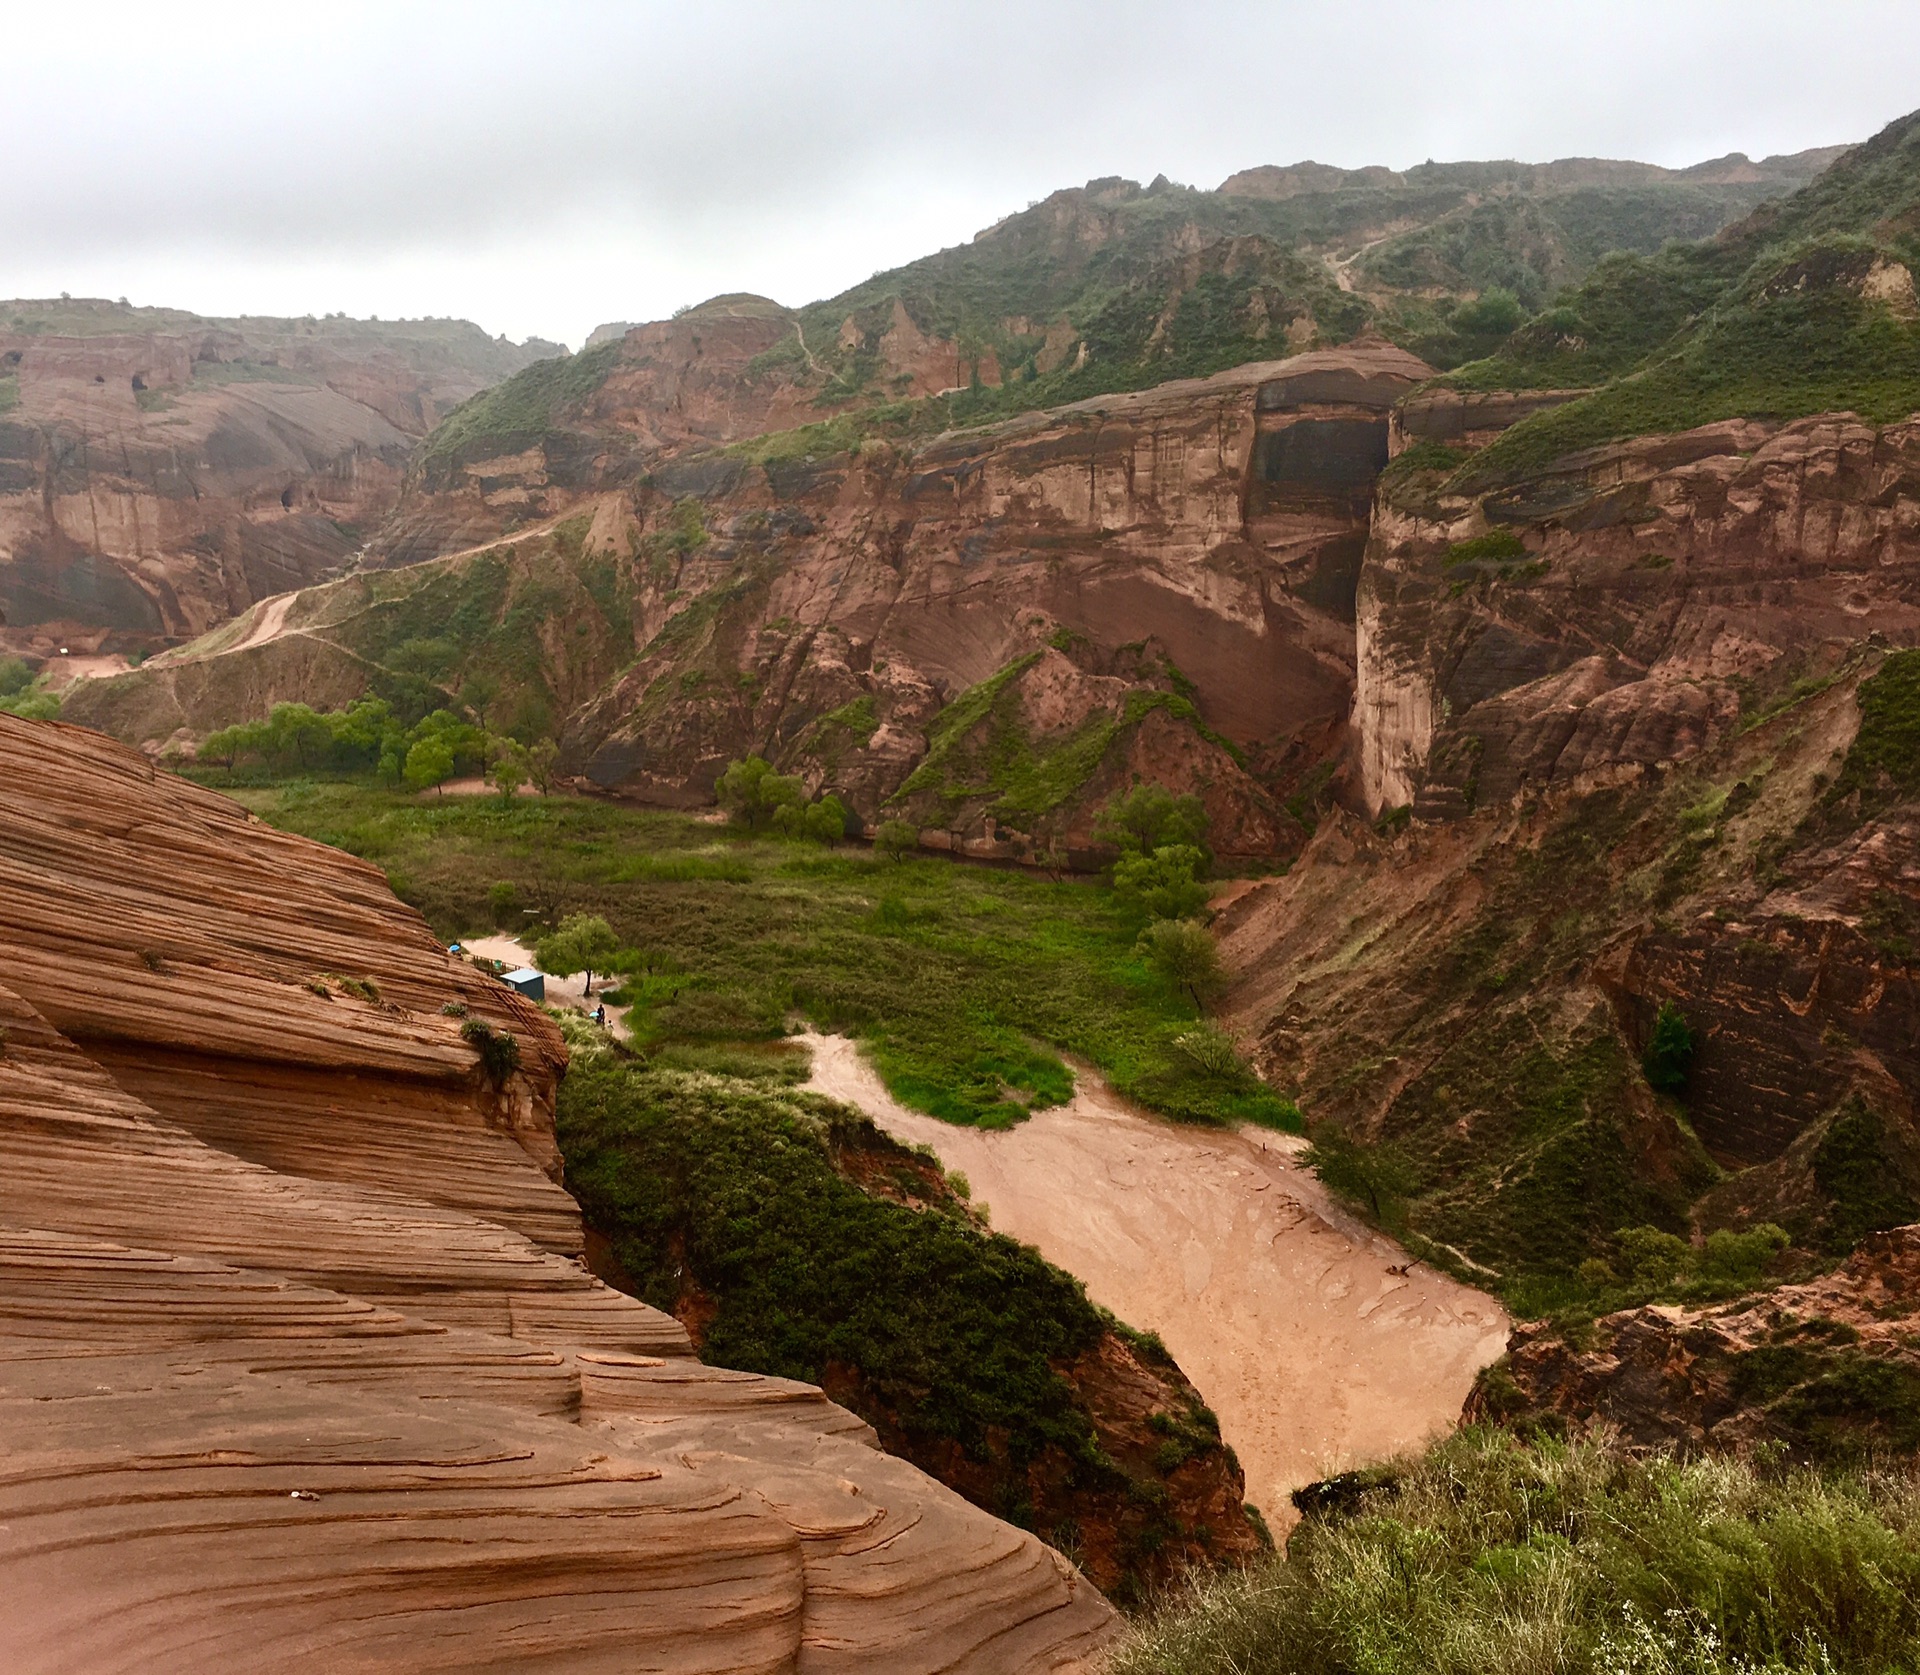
x=752, y=793
x=1165, y=883
x=821, y=822
x=1668, y=1060
x=896, y=839
x=542, y=754
x=1184, y=954
x=583, y=942
x=430, y=762
x=509, y=770
x=1151, y=817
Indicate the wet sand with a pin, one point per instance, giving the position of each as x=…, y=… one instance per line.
x=1277, y=1304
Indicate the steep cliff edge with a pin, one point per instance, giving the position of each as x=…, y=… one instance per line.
x=290, y=1299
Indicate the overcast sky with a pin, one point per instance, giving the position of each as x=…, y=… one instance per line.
x=540, y=168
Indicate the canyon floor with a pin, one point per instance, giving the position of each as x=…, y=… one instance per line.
x=1284, y=1311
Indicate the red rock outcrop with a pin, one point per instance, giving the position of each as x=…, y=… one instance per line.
x=297, y=1361
x=1216, y=524
x=1829, y=1364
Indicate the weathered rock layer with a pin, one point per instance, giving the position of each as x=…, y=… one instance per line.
x=296, y=1360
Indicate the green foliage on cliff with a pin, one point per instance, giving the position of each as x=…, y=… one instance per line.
x=1883, y=761
x=1863, y=1184
x=520, y=412
x=1668, y=1060
x=981, y=750
x=729, y=1186
x=1803, y=335
x=1493, y=1554
x=1797, y=310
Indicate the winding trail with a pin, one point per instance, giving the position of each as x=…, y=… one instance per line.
x=1279, y=1307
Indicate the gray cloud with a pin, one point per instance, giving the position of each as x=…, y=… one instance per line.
x=542, y=167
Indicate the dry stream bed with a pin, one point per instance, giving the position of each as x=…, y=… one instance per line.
x=1288, y=1315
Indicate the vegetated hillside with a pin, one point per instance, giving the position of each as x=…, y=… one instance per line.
x=986, y=634
x=160, y=471
x=1799, y=308
x=1101, y=288
x=293, y=1300
x=790, y=1235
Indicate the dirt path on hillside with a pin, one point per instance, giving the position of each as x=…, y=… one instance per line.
x=1277, y=1305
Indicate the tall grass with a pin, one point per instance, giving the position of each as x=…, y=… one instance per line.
x=1495, y=1556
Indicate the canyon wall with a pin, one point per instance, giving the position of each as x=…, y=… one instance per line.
x=158, y=478
x=988, y=634
x=297, y=1356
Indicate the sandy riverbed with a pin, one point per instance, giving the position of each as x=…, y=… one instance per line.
x=1278, y=1305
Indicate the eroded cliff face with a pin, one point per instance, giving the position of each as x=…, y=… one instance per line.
x=1826, y=1367
x=154, y=483
x=987, y=635
x=296, y=1356
x=1617, y=611
x=733, y=368
x=1176, y=562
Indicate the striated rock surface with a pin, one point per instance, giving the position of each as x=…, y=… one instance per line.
x=160, y=472
x=1615, y=610
x=297, y=1361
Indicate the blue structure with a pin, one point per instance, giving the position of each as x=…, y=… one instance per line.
x=526, y=981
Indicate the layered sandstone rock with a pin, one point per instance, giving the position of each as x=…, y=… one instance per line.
x=1215, y=524
x=297, y=1361
x=1165, y=578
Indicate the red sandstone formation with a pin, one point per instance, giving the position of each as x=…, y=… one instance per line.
x=298, y=1362
x=156, y=480
x=1661, y=577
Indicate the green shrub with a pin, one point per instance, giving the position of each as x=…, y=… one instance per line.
x=753, y=794
x=1165, y=883
x=499, y=1051
x=896, y=839
x=1668, y=1060
x=1186, y=956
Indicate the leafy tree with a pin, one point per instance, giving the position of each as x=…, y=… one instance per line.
x=1669, y=1056
x=896, y=839
x=509, y=770
x=752, y=793
x=1165, y=883
x=1377, y=1176
x=821, y=822
x=15, y=676
x=584, y=942
x=1151, y=817
x=1184, y=954
x=541, y=756
x=430, y=762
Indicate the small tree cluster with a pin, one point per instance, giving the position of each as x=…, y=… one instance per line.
x=758, y=798
x=367, y=735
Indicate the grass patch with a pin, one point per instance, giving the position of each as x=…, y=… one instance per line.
x=966, y=984
x=1492, y=1554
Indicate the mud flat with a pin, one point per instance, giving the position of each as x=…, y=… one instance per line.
x=1280, y=1307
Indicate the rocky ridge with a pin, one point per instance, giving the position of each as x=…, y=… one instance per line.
x=291, y=1295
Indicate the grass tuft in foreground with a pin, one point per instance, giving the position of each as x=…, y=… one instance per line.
x=1495, y=1556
